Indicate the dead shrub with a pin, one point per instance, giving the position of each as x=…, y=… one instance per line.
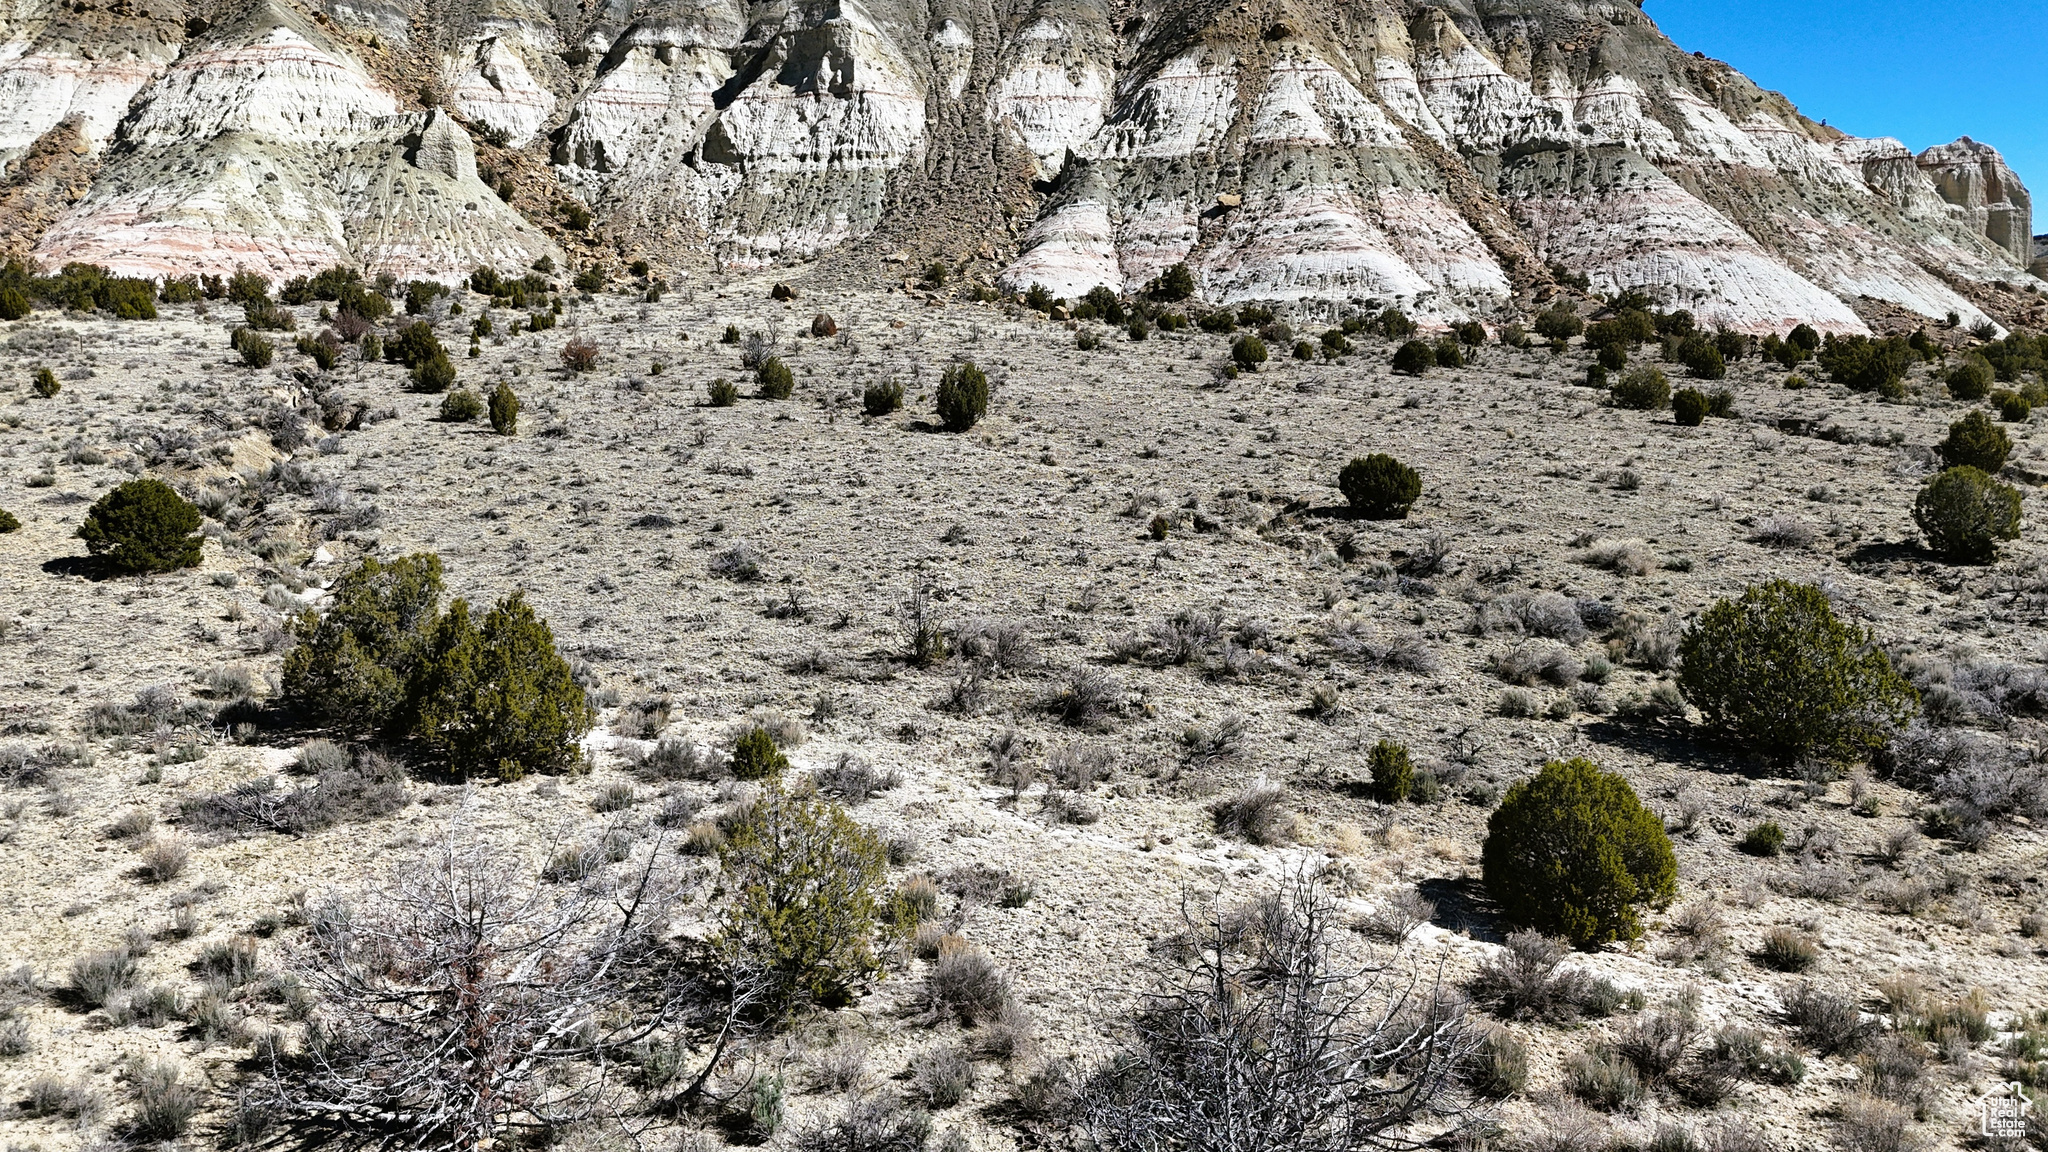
x=1265, y=1032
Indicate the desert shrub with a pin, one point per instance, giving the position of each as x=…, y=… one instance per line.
x=962, y=396
x=1524, y=980
x=440, y=995
x=8, y=522
x=1975, y=442
x=1970, y=380
x=1644, y=389
x=579, y=355
x=361, y=788
x=255, y=351
x=97, y=976
x=143, y=526
x=421, y=294
x=941, y=1076
x=773, y=379
x=461, y=406
x=2013, y=408
x=1702, y=358
x=755, y=756
x=1100, y=303
x=497, y=698
x=1380, y=487
x=504, y=409
x=1775, y=671
x=1573, y=851
x=14, y=304
x=1393, y=773
x=1828, y=1022
x=323, y=351
x=1256, y=813
x=1766, y=839
x=879, y=400
x=1175, y=284
x=1450, y=352
x=722, y=393
x=164, y=1104
x=1559, y=322
x=415, y=344
x=1868, y=365
x=44, y=383
x=1788, y=950
x=1414, y=358
x=1689, y=407
x=1247, y=352
x=805, y=884
x=1965, y=513
x=1600, y=1077
x=352, y=666
x=1499, y=1068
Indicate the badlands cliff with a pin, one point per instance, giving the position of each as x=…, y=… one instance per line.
x=1457, y=159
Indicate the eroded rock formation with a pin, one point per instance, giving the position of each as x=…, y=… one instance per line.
x=1454, y=160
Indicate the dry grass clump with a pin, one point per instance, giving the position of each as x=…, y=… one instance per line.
x=854, y=779
x=1536, y=663
x=942, y=1075
x=1256, y=813
x=1400, y=913
x=1788, y=950
x=1083, y=698
x=965, y=983
x=677, y=758
x=97, y=976
x=164, y=859
x=1622, y=557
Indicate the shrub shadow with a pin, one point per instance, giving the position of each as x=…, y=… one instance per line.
x=1463, y=906
x=90, y=567
x=1679, y=745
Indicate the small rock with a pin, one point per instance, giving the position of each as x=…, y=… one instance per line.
x=782, y=292
x=898, y=257
x=1059, y=313
x=824, y=325
x=1229, y=199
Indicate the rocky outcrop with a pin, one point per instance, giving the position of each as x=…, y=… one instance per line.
x=269, y=146
x=1426, y=153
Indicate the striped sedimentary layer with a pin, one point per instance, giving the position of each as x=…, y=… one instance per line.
x=1322, y=151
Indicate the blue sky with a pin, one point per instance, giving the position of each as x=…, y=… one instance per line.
x=1923, y=72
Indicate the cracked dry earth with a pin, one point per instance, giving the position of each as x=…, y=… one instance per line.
x=621, y=490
